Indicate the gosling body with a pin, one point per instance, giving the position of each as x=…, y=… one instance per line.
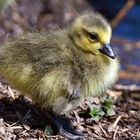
x=47, y=71
x=59, y=68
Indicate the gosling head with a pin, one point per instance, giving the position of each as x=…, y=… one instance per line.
x=91, y=33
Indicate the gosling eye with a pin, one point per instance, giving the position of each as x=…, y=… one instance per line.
x=93, y=36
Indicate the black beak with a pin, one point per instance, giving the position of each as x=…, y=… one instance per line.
x=107, y=50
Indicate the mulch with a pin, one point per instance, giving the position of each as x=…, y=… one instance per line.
x=19, y=119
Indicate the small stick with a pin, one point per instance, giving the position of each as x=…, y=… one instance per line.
x=122, y=13
x=83, y=107
x=114, y=125
x=16, y=127
x=130, y=88
x=116, y=130
x=11, y=93
x=103, y=129
x=77, y=117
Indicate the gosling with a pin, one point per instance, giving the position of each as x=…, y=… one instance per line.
x=57, y=69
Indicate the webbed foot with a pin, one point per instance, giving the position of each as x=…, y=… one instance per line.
x=61, y=125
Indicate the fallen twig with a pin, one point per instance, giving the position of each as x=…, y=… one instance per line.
x=103, y=130
x=114, y=136
x=113, y=126
x=121, y=14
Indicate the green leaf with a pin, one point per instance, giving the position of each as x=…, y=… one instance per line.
x=94, y=111
x=101, y=113
x=96, y=118
x=110, y=112
x=108, y=103
x=105, y=108
x=108, y=107
x=96, y=114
